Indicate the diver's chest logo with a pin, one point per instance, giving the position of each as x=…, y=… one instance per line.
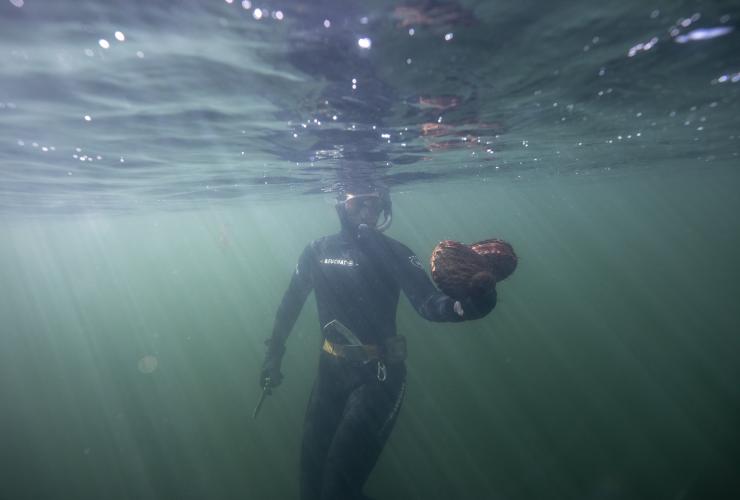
x=414, y=260
x=339, y=262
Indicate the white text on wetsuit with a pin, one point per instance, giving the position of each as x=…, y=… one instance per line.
x=339, y=262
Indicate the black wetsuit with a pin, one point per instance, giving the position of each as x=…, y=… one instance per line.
x=351, y=412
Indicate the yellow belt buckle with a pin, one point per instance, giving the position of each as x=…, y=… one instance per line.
x=328, y=348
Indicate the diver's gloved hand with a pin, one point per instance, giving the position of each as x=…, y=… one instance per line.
x=271, y=365
x=476, y=307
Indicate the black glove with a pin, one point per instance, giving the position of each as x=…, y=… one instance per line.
x=271, y=365
x=476, y=307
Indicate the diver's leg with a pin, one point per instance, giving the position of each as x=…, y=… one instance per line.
x=322, y=417
x=368, y=418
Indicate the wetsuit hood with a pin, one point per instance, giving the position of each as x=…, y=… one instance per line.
x=364, y=208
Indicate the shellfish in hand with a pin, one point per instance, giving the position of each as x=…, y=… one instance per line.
x=463, y=271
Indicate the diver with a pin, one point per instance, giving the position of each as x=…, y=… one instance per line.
x=357, y=275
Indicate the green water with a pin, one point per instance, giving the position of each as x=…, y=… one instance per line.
x=609, y=369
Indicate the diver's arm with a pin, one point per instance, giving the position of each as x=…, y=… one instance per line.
x=432, y=304
x=290, y=307
x=295, y=296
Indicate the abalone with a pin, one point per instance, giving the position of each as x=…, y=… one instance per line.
x=462, y=271
x=459, y=271
x=500, y=256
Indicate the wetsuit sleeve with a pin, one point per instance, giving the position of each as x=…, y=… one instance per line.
x=429, y=302
x=295, y=296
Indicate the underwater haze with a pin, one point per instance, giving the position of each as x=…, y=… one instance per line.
x=163, y=165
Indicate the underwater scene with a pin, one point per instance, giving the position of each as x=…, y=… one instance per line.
x=346, y=249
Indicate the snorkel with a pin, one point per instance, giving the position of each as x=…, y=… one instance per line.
x=387, y=217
